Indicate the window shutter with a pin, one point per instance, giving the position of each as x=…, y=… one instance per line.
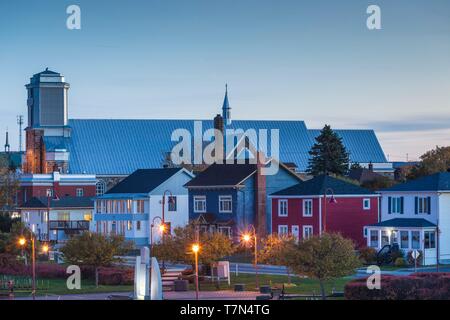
x=429, y=205
x=389, y=205
x=416, y=205
x=402, y=202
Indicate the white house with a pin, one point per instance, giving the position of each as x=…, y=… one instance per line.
x=57, y=219
x=134, y=207
x=412, y=214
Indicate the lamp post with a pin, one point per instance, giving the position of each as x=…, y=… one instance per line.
x=332, y=200
x=45, y=249
x=162, y=228
x=247, y=237
x=196, y=249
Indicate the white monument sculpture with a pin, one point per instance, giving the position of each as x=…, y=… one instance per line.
x=142, y=280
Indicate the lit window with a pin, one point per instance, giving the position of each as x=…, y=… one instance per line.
x=283, y=208
x=129, y=225
x=140, y=206
x=307, y=208
x=63, y=216
x=225, y=204
x=366, y=204
x=307, y=232
x=200, y=204
x=49, y=193
x=87, y=216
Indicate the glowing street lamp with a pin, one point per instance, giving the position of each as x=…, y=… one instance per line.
x=247, y=237
x=22, y=242
x=196, y=249
x=162, y=229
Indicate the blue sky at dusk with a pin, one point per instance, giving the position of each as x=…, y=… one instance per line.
x=307, y=60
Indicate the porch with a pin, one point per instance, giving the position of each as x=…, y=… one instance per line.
x=408, y=234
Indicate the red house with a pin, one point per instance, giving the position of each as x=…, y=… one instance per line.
x=323, y=204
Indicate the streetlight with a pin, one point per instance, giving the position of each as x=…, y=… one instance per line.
x=162, y=229
x=332, y=200
x=22, y=242
x=246, y=237
x=196, y=249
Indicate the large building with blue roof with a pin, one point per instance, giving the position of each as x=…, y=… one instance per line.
x=116, y=148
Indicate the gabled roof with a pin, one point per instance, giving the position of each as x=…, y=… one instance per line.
x=318, y=185
x=143, y=180
x=436, y=182
x=405, y=223
x=105, y=147
x=363, y=175
x=222, y=175
x=64, y=202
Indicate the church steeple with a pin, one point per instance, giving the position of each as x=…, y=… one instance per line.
x=7, y=146
x=226, y=110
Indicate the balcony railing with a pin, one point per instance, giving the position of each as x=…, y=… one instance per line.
x=69, y=225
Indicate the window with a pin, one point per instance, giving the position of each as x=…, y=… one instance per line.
x=366, y=204
x=113, y=227
x=374, y=238
x=395, y=205
x=49, y=193
x=129, y=206
x=139, y=206
x=384, y=238
x=172, y=205
x=415, y=239
x=80, y=192
x=404, y=239
x=199, y=204
x=138, y=225
x=225, y=231
x=98, y=206
x=63, y=216
x=225, y=204
x=423, y=205
x=100, y=188
x=307, y=208
x=307, y=232
x=283, y=208
x=129, y=225
x=365, y=232
x=283, y=230
x=429, y=239
x=87, y=216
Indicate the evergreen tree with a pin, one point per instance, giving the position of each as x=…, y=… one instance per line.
x=328, y=154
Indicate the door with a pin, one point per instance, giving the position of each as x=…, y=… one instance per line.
x=296, y=232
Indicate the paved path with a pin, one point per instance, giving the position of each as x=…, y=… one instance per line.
x=189, y=295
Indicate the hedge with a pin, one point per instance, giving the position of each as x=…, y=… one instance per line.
x=418, y=286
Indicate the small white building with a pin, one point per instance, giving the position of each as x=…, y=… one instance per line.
x=412, y=214
x=57, y=219
x=134, y=205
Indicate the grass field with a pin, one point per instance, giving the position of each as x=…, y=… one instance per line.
x=299, y=285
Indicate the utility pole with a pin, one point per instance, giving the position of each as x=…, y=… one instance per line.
x=20, y=123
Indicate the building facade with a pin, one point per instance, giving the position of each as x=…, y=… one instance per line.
x=231, y=197
x=57, y=219
x=134, y=207
x=413, y=214
x=324, y=204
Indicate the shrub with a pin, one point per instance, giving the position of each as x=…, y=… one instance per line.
x=395, y=254
x=419, y=286
x=410, y=259
x=368, y=255
x=116, y=276
x=400, y=262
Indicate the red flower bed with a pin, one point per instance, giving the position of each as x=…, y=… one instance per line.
x=419, y=286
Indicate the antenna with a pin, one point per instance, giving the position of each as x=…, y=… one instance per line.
x=20, y=123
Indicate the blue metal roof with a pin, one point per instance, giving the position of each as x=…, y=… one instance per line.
x=123, y=146
x=435, y=182
x=362, y=145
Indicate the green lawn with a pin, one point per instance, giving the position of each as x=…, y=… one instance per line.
x=299, y=285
